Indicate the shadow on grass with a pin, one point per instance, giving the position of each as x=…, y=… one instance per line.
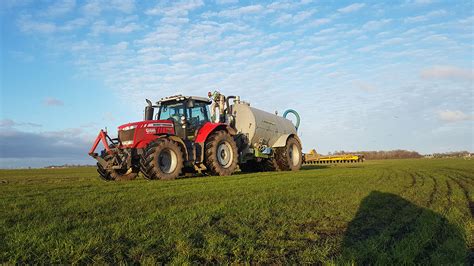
x=390, y=230
x=315, y=166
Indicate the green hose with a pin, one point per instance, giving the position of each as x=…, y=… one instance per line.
x=296, y=115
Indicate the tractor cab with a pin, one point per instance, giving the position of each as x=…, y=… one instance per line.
x=188, y=113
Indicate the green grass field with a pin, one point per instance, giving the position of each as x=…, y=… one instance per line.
x=386, y=212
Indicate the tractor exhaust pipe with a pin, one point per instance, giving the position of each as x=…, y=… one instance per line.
x=148, y=111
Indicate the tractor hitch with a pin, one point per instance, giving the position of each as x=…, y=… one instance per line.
x=104, y=138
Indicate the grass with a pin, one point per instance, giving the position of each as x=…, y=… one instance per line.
x=384, y=212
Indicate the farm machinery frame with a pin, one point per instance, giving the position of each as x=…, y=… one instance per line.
x=184, y=136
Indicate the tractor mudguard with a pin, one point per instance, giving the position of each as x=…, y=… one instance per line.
x=281, y=141
x=205, y=131
x=208, y=128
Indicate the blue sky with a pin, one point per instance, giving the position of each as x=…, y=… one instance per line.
x=363, y=75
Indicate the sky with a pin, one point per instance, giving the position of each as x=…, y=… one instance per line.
x=363, y=75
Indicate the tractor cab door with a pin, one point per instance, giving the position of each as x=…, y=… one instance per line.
x=197, y=115
x=173, y=112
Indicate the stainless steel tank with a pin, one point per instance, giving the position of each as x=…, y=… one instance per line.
x=258, y=124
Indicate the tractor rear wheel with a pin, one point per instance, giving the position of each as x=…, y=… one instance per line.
x=289, y=158
x=163, y=159
x=221, y=154
x=115, y=174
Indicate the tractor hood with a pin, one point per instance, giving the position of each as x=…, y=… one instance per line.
x=147, y=123
x=136, y=134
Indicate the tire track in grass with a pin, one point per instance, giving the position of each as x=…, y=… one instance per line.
x=463, y=174
x=422, y=177
x=382, y=176
x=469, y=202
x=466, y=179
x=439, y=233
x=449, y=195
x=433, y=191
x=412, y=181
x=403, y=228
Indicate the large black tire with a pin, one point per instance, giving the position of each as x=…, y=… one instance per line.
x=289, y=158
x=221, y=154
x=162, y=159
x=115, y=174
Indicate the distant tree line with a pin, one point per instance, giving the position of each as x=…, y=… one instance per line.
x=381, y=155
x=68, y=166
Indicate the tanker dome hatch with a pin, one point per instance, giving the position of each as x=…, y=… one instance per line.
x=180, y=98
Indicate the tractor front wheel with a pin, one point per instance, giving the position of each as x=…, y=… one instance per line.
x=163, y=159
x=221, y=154
x=115, y=174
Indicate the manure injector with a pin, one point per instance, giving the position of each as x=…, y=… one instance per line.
x=179, y=135
x=314, y=158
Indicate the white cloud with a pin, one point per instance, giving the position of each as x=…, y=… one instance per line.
x=241, y=11
x=351, y=8
x=60, y=8
x=423, y=2
x=126, y=6
x=224, y=2
x=419, y=2
x=319, y=22
x=286, y=18
x=50, y=101
x=94, y=8
x=177, y=9
x=375, y=24
x=102, y=27
x=454, y=116
x=8, y=123
x=26, y=24
x=447, y=72
x=279, y=5
x=428, y=16
x=365, y=86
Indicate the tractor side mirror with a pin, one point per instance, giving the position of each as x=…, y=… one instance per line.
x=190, y=104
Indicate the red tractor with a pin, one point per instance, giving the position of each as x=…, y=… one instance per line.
x=181, y=137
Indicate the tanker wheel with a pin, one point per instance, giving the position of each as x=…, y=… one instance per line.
x=163, y=159
x=289, y=158
x=270, y=164
x=115, y=174
x=221, y=154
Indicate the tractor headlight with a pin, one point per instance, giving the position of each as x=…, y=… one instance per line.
x=129, y=127
x=128, y=142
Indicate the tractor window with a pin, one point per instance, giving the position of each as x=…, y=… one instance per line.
x=171, y=112
x=198, y=115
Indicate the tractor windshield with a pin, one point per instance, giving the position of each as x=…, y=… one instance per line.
x=172, y=111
